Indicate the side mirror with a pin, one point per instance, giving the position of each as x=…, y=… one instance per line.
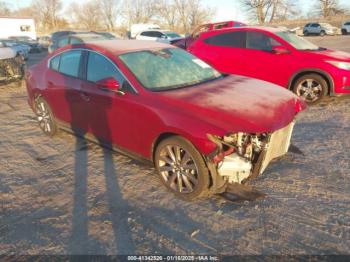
x=279, y=50
x=110, y=84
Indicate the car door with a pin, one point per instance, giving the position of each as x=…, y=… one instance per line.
x=63, y=80
x=111, y=115
x=263, y=63
x=315, y=28
x=223, y=51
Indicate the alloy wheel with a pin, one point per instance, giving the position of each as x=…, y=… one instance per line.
x=44, y=117
x=310, y=89
x=178, y=169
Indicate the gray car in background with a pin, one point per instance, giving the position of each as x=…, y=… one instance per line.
x=320, y=29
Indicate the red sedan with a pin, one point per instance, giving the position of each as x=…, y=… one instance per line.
x=201, y=129
x=277, y=56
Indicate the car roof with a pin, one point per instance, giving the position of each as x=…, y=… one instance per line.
x=118, y=47
x=247, y=28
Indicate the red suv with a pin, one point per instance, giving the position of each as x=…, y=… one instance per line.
x=277, y=56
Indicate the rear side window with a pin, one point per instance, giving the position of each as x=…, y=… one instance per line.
x=74, y=40
x=232, y=39
x=348, y=23
x=260, y=41
x=55, y=63
x=70, y=63
x=147, y=33
x=63, y=41
x=315, y=25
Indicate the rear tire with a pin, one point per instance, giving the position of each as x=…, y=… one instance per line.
x=311, y=87
x=322, y=33
x=182, y=168
x=344, y=32
x=45, y=117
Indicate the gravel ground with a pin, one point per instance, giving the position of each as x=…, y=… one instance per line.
x=62, y=196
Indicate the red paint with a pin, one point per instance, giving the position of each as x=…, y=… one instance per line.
x=135, y=121
x=275, y=68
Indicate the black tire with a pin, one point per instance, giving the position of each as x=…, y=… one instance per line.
x=344, y=32
x=306, y=33
x=322, y=33
x=176, y=173
x=45, y=117
x=311, y=87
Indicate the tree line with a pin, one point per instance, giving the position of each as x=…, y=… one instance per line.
x=268, y=11
x=178, y=15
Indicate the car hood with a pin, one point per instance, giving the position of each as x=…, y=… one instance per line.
x=329, y=54
x=237, y=104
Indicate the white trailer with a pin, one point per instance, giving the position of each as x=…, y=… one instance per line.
x=17, y=26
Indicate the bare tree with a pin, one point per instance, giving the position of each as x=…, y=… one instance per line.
x=47, y=13
x=4, y=9
x=265, y=11
x=87, y=15
x=110, y=9
x=183, y=15
x=140, y=11
x=328, y=8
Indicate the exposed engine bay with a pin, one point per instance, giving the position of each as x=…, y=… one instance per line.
x=241, y=156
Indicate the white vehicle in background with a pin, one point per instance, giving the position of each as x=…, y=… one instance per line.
x=345, y=29
x=21, y=49
x=17, y=26
x=138, y=28
x=164, y=36
x=11, y=64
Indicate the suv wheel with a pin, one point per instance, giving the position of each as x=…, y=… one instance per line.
x=311, y=87
x=306, y=33
x=45, y=117
x=182, y=168
x=322, y=33
x=344, y=32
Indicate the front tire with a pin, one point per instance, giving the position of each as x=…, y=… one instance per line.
x=311, y=87
x=182, y=168
x=344, y=32
x=322, y=33
x=45, y=117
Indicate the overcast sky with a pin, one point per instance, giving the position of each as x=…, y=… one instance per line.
x=225, y=9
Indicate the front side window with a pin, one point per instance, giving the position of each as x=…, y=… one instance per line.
x=231, y=39
x=297, y=42
x=70, y=63
x=99, y=67
x=260, y=41
x=169, y=68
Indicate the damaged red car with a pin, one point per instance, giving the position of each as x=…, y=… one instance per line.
x=202, y=130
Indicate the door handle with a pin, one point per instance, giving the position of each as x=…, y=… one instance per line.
x=85, y=96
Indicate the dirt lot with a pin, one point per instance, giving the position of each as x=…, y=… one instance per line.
x=62, y=196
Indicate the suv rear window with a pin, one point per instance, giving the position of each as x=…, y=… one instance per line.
x=231, y=39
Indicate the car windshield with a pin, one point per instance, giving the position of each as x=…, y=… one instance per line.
x=169, y=68
x=297, y=41
x=172, y=34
